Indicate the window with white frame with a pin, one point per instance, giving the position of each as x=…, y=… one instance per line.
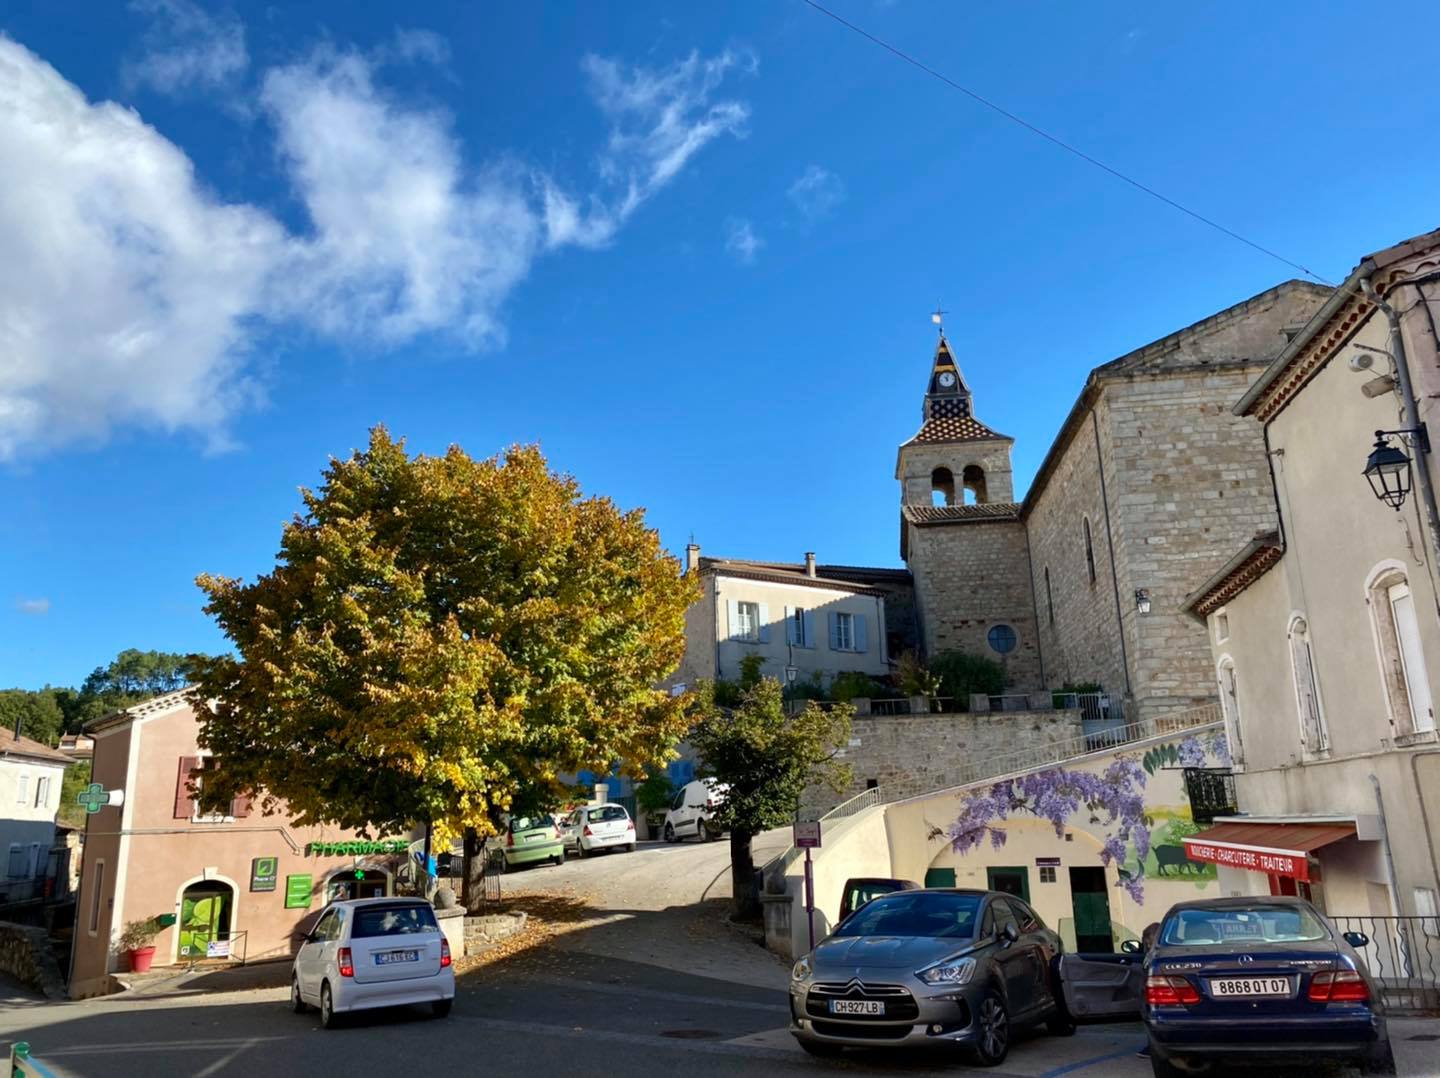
x=42, y=791
x=1230, y=708
x=844, y=635
x=1307, y=689
x=15, y=869
x=1222, y=626
x=747, y=621
x=1402, y=659
x=798, y=636
x=22, y=789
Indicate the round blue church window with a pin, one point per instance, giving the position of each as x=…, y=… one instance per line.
x=1002, y=639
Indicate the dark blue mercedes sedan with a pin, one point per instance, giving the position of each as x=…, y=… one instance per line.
x=1259, y=978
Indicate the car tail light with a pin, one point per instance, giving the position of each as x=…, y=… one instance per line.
x=557, y=831
x=1170, y=992
x=1345, y=986
x=510, y=841
x=444, y=953
x=629, y=825
x=347, y=966
x=589, y=833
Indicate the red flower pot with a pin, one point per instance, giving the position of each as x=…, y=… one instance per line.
x=140, y=959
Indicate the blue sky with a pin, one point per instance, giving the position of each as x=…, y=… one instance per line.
x=690, y=249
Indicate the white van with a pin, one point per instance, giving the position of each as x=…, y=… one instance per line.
x=692, y=808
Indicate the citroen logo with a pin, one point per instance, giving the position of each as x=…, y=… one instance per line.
x=1246, y=959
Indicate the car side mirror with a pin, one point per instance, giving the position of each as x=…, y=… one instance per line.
x=1010, y=931
x=1357, y=939
x=1131, y=947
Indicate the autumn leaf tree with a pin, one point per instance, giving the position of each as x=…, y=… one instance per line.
x=440, y=638
x=768, y=758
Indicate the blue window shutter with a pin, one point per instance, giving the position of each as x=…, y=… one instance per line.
x=861, y=643
x=790, y=625
x=809, y=628
x=834, y=632
x=764, y=624
x=732, y=618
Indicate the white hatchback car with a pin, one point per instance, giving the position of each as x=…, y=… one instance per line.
x=599, y=827
x=373, y=952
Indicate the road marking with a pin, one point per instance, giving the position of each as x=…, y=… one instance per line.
x=647, y=1040
x=220, y=1063
x=161, y=1046
x=1080, y=1066
x=654, y=993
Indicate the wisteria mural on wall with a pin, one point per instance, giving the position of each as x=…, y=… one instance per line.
x=1115, y=802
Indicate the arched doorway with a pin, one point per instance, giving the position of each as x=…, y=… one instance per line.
x=361, y=882
x=206, y=919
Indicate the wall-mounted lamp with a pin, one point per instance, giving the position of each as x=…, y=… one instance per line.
x=791, y=673
x=1388, y=468
x=1142, y=600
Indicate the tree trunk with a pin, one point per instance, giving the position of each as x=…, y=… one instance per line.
x=745, y=896
x=473, y=889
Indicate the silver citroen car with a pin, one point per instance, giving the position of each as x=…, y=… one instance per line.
x=929, y=967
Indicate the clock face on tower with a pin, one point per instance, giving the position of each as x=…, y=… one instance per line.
x=947, y=379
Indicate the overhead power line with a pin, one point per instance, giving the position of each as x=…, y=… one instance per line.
x=1033, y=129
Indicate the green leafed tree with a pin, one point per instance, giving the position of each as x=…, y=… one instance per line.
x=34, y=712
x=768, y=759
x=439, y=639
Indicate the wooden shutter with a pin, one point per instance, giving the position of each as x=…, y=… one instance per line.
x=1305, y=691
x=834, y=631
x=184, y=800
x=809, y=616
x=861, y=641
x=732, y=618
x=240, y=807
x=764, y=626
x=790, y=626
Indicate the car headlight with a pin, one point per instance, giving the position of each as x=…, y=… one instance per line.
x=802, y=970
x=948, y=971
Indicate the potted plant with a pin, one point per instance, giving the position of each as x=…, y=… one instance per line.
x=137, y=939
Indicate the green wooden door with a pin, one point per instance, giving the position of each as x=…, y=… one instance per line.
x=940, y=877
x=1091, y=904
x=1013, y=880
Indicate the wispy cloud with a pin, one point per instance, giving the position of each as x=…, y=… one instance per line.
x=34, y=607
x=817, y=192
x=186, y=46
x=741, y=240
x=130, y=295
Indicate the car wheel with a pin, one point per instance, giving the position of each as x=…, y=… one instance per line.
x=701, y=831
x=669, y=832
x=297, y=1001
x=441, y=1007
x=1382, y=1059
x=328, y=1018
x=992, y=1031
x=820, y=1049
x=631, y=847
x=580, y=850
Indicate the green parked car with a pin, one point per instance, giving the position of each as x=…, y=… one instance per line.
x=532, y=839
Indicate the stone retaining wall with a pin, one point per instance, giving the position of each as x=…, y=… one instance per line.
x=25, y=955
x=487, y=928
x=914, y=754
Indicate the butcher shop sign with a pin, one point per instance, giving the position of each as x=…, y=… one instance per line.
x=1292, y=863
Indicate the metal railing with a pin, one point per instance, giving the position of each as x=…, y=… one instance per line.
x=849, y=807
x=897, y=706
x=1010, y=702
x=1403, y=959
x=1211, y=791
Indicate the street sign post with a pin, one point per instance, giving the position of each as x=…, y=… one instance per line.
x=807, y=838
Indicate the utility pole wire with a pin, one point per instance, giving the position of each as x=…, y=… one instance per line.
x=993, y=107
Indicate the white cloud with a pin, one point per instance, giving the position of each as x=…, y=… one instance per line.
x=186, y=46
x=130, y=296
x=659, y=119
x=741, y=240
x=34, y=607
x=817, y=192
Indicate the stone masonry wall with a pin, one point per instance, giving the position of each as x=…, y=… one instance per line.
x=1079, y=629
x=25, y=955
x=917, y=462
x=968, y=578
x=1189, y=487
x=914, y=754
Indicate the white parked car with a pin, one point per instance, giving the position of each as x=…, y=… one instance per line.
x=692, y=809
x=373, y=952
x=599, y=827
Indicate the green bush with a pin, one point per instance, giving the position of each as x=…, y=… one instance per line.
x=849, y=684
x=654, y=794
x=812, y=688
x=959, y=675
x=914, y=677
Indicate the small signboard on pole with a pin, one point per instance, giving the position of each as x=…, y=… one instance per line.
x=807, y=838
x=807, y=835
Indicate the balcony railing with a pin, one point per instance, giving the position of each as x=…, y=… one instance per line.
x=1211, y=791
x=1403, y=959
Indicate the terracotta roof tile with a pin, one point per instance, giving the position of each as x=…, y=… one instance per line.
x=954, y=428
x=10, y=745
x=961, y=514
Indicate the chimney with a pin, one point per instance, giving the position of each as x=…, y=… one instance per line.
x=809, y=563
x=692, y=557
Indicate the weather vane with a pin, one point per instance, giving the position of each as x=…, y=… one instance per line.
x=938, y=317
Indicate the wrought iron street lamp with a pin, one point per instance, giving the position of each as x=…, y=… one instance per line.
x=1142, y=600
x=1389, y=468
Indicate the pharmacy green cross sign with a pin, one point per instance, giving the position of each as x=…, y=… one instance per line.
x=94, y=797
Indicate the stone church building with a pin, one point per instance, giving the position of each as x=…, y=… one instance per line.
x=1150, y=485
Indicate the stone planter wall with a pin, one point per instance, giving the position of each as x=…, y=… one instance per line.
x=25, y=955
x=488, y=928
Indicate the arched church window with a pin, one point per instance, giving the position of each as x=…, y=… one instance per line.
x=974, y=479
x=1089, y=552
x=942, y=487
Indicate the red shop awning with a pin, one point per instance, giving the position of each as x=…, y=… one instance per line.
x=1279, y=849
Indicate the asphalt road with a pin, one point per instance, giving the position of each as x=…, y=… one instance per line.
x=649, y=980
